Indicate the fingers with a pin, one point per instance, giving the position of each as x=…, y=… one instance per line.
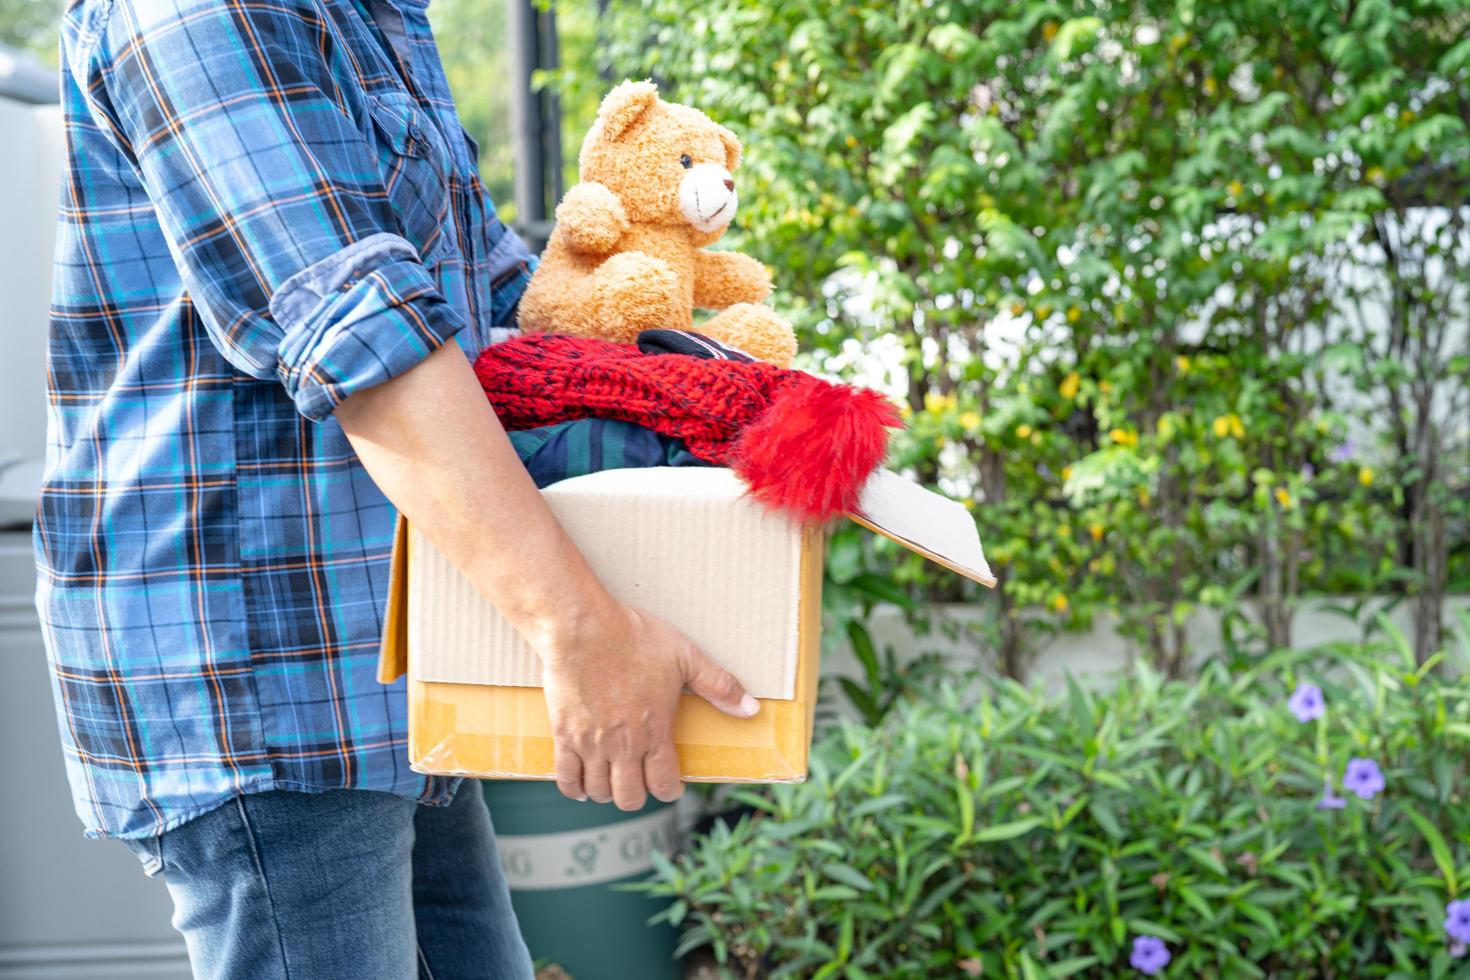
x=661, y=773
x=597, y=779
x=569, y=773
x=627, y=784
x=717, y=685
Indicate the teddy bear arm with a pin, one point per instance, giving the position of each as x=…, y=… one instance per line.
x=723, y=279
x=591, y=218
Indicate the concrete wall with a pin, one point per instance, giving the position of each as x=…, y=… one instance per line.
x=1098, y=655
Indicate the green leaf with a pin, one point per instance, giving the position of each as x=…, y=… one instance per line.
x=1437, y=847
x=1006, y=831
x=1068, y=967
x=847, y=875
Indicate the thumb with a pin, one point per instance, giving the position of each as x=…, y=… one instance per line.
x=717, y=685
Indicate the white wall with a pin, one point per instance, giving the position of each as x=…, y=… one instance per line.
x=30, y=160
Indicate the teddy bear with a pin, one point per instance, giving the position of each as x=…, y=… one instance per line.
x=628, y=249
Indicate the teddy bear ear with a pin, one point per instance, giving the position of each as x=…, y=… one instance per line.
x=625, y=105
x=732, y=149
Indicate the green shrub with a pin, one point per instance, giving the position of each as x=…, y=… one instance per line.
x=1002, y=833
x=1128, y=263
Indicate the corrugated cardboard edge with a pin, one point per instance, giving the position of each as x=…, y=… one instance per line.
x=393, y=654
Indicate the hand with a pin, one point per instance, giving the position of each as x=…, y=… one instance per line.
x=612, y=691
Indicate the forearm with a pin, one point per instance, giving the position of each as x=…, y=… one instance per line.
x=431, y=442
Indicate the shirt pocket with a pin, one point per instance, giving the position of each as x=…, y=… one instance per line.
x=416, y=167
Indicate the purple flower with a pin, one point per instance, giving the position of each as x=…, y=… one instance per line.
x=1150, y=955
x=1364, y=778
x=1457, y=921
x=1342, y=452
x=1330, y=800
x=1307, y=703
x=1308, y=471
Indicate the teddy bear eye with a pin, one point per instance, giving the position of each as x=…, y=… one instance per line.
x=686, y=162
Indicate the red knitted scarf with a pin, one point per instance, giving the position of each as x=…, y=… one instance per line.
x=802, y=444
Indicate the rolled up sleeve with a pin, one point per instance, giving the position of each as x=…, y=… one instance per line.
x=356, y=319
x=271, y=194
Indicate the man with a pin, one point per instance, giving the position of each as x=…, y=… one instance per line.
x=274, y=255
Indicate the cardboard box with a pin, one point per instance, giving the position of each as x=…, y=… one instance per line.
x=687, y=544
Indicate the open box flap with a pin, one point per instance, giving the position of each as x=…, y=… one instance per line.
x=924, y=522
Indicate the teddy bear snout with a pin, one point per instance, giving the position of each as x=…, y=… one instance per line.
x=707, y=197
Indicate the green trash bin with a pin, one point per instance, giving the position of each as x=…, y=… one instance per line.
x=563, y=859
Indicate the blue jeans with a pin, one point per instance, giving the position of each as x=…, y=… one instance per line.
x=343, y=885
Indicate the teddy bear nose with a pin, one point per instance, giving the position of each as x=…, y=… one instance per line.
x=729, y=184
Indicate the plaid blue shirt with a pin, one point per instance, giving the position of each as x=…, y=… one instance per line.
x=266, y=206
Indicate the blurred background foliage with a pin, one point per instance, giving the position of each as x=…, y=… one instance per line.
x=1175, y=294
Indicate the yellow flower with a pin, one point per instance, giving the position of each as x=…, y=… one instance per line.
x=1374, y=175
x=933, y=402
x=1237, y=188
x=1182, y=363
x=1228, y=425
x=970, y=421
x=1017, y=309
x=1066, y=473
x=1365, y=476
x=1069, y=386
x=1043, y=312
x=851, y=141
x=1211, y=86
x=1073, y=314
x=1283, y=497
x=1166, y=426
x=1096, y=530
x=1023, y=432
x=1123, y=437
x=969, y=503
x=1049, y=30
x=1059, y=602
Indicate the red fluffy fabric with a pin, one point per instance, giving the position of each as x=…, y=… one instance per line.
x=804, y=445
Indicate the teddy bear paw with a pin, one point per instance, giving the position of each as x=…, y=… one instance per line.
x=755, y=329
x=635, y=291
